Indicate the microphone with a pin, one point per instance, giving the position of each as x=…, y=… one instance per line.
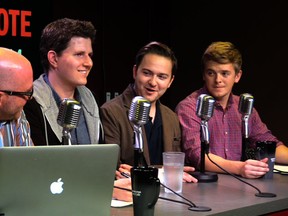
x=204, y=110
x=138, y=115
x=245, y=107
x=68, y=118
x=205, y=107
x=139, y=111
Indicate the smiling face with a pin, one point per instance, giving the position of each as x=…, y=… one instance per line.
x=72, y=67
x=153, y=76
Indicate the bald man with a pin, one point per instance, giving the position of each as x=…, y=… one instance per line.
x=16, y=88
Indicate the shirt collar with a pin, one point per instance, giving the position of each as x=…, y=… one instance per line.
x=55, y=95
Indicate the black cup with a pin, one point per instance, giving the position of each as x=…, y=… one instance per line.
x=145, y=190
x=267, y=149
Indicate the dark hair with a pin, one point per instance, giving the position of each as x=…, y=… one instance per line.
x=158, y=49
x=223, y=53
x=57, y=34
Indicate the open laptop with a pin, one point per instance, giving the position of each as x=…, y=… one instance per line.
x=72, y=180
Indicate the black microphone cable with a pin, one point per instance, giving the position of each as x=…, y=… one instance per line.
x=192, y=206
x=260, y=194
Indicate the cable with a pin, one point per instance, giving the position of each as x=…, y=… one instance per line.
x=260, y=194
x=191, y=205
x=121, y=188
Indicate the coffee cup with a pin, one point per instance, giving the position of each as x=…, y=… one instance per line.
x=145, y=190
x=266, y=149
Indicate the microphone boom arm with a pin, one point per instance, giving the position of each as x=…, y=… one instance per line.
x=204, y=144
x=138, y=138
x=245, y=126
x=205, y=134
x=139, y=159
x=66, y=138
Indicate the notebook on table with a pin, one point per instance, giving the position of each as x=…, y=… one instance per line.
x=57, y=180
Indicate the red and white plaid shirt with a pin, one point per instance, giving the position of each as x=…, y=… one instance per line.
x=225, y=129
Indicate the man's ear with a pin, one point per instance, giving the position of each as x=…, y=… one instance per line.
x=171, y=80
x=52, y=58
x=238, y=76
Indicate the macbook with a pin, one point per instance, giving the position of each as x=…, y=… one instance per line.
x=72, y=180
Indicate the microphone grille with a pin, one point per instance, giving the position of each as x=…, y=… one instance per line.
x=69, y=113
x=205, y=106
x=139, y=110
x=246, y=104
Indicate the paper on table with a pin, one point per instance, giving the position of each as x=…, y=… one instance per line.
x=119, y=203
x=282, y=168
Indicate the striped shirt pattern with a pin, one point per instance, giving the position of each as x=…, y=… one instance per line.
x=15, y=133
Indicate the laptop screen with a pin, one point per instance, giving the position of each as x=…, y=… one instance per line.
x=57, y=180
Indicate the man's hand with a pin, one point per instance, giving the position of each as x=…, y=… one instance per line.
x=254, y=169
x=186, y=176
x=122, y=194
x=123, y=168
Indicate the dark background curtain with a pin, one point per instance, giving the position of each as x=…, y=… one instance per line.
x=258, y=30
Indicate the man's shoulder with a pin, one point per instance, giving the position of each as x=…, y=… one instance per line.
x=113, y=105
x=167, y=111
x=165, y=108
x=192, y=97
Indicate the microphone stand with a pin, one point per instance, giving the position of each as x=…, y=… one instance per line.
x=139, y=159
x=66, y=138
x=201, y=175
x=248, y=152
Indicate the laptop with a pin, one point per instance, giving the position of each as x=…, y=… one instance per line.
x=62, y=180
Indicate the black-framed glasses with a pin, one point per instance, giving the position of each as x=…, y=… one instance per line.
x=20, y=94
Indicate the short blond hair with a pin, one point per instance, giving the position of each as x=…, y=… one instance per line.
x=223, y=53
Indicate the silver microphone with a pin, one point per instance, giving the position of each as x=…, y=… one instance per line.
x=68, y=117
x=204, y=110
x=246, y=104
x=139, y=111
x=245, y=108
x=205, y=106
x=138, y=115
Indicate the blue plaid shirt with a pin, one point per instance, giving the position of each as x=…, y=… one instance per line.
x=15, y=132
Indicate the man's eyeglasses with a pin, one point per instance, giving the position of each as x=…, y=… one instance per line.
x=20, y=94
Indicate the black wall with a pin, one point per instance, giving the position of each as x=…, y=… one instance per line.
x=32, y=24
x=259, y=31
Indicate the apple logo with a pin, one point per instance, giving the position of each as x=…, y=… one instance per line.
x=56, y=187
